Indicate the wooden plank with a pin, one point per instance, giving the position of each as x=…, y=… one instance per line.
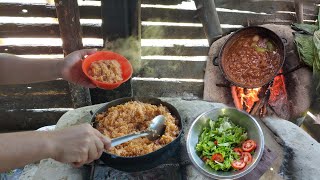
x=172, y=69
x=71, y=34
x=270, y=6
x=256, y=6
x=164, y=2
x=176, y=32
x=24, y=50
x=174, y=51
x=56, y=85
x=18, y=120
x=41, y=10
x=169, y=15
x=311, y=8
x=172, y=32
x=43, y=30
x=237, y=18
x=52, y=94
x=167, y=89
x=101, y=96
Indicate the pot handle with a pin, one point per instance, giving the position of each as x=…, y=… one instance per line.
x=215, y=61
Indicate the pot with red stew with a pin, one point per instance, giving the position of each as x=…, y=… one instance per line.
x=251, y=57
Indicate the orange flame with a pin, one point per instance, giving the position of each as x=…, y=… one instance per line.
x=245, y=97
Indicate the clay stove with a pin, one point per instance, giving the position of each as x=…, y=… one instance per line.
x=288, y=96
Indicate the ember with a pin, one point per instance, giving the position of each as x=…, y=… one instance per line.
x=278, y=90
x=255, y=101
x=244, y=99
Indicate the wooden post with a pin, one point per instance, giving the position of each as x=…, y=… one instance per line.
x=298, y=5
x=209, y=17
x=71, y=35
x=120, y=19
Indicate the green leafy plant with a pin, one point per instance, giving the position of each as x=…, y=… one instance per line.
x=307, y=40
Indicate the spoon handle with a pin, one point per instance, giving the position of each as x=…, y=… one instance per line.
x=123, y=139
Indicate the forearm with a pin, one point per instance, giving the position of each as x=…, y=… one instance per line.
x=19, y=149
x=17, y=70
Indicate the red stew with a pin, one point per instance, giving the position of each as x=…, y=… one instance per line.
x=252, y=61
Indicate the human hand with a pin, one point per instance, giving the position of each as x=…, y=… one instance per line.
x=71, y=69
x=78, y=145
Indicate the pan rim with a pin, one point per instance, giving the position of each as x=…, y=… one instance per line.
x=137, y=98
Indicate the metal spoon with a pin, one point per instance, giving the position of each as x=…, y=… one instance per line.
x=155, y=130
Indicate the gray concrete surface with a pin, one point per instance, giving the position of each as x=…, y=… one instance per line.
x=180, y=166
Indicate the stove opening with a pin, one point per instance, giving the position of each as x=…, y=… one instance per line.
x=266, y=100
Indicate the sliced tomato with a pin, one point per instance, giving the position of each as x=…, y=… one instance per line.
x=249, y=145
x=238, y=164
x=246, y=157
x=217, y=157
x=238, y=151
x=215, y=142
x=204, y=159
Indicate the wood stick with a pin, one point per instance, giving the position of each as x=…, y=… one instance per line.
x=71, y=35
x=209, y=17
x=298, y=5
x=262, y=100
x=292, y=70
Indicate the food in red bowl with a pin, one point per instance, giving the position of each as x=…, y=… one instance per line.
x=106, y=69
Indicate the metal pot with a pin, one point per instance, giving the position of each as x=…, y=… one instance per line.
x=147, y=161
x=238, y=117
x=256, y=30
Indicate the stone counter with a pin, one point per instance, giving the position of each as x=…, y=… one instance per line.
x=288, y=152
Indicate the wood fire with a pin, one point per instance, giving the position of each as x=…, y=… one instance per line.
x=256, y=101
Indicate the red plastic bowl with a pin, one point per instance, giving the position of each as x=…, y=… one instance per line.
x=126, y=68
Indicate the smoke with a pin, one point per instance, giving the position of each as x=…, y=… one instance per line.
x=131, y=48
x=127, y=47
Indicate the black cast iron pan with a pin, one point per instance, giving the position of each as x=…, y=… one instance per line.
x=251, y=30
x=147, y=161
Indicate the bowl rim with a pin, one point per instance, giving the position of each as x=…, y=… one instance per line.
x=241, y=174
x=96, y=57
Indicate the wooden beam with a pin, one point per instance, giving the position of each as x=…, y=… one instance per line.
x=298, y=5
x=209, y=18
x=70, y=30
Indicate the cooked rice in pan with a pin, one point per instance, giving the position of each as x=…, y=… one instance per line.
x=133, y=117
